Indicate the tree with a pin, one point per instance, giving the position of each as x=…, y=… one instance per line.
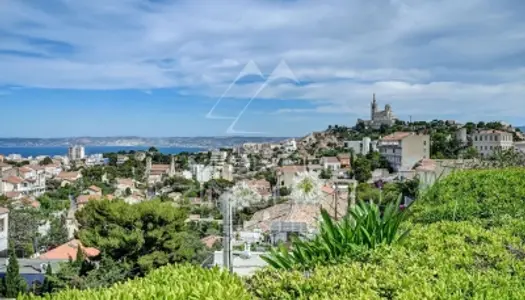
x=362, y=169
x=23, y=230
x=326, y=173
x=57, y=234
x=47, y=286
x=149, y=234
x=470, y=153
x=153, y=150
x=14, y=283
x=46, y=161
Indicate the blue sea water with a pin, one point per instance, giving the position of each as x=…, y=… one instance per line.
x=51, y=151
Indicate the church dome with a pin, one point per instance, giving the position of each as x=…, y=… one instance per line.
x=387, y=107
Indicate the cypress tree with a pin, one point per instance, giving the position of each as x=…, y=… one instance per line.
x=14, y=283
x=47, y=286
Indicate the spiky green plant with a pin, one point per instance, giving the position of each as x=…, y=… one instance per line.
x=366, y=227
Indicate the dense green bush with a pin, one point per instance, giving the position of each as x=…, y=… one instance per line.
x=444, y=260
x=170, y=282
x=474, y=194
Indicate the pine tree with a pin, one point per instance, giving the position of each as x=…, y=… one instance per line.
x=14, y=283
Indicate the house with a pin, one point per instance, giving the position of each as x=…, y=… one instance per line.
x=32, y=270
x=210, y=240
x=122, y=185
x=134, y=198
x=68, y=177
x=404, y=149
x=82, y=200
x=331, y=162
x=286, y=174
x=93, y=190
x=52, y=170
x=25, y=180
x=244, y=263
x=489, y=141
x=69, y=251
x=4, y=232
x=261, y=186
x=121, y=159
x=344, y=159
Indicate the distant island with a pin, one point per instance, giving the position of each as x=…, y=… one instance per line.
x=130, y=141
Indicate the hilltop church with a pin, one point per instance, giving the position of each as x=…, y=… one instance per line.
x=377, y=118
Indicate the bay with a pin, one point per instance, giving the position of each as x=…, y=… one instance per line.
x=51, y=151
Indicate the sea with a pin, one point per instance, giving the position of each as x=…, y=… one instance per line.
x=52, y=151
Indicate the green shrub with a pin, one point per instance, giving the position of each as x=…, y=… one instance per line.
x=444, y=260
x=366, y=227
x=169, y=282
x=473, y=194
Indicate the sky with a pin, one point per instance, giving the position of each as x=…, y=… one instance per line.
x=159, y=68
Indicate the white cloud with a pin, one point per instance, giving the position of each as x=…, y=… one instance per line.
x=424, y=57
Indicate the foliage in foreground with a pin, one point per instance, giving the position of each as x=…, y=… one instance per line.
x=444, y=260
x=169, y=282
x=474, y=194
x=146, y=235
x=366, y=227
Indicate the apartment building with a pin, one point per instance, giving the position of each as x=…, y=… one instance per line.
x=489, y=141
x=26, y=181
x=404, y=149
x=76, y=153
x=361, y=147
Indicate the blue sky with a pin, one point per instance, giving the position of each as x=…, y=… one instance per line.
x=157, y=68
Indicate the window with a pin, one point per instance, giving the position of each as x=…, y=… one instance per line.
x=496, y=138
x=490, y=147
x=476, y=138
x=2, y=225
x=424, y=143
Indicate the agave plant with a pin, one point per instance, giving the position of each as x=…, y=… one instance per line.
x=366, y=227
x=306, y=188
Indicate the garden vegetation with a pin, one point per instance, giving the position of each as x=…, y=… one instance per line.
x=465, y=240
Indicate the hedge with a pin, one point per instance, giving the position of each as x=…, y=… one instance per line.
x=474, y=194
x=444, y=260
x=169, y=282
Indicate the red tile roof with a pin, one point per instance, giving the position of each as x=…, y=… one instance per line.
x=69, y=175
x=210, y=240
x=3, y=210
x=12, y=195
x=83, y=199
x=292, y=169
x=13, y=180
x=95, y=188
x=24, y=169
x=396, y=136
x=69, y=250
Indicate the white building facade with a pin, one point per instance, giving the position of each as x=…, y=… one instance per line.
x=76, y=152
x=489, y=141
x=404, y=149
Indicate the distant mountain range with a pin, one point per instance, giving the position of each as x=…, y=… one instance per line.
x=190, y=142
